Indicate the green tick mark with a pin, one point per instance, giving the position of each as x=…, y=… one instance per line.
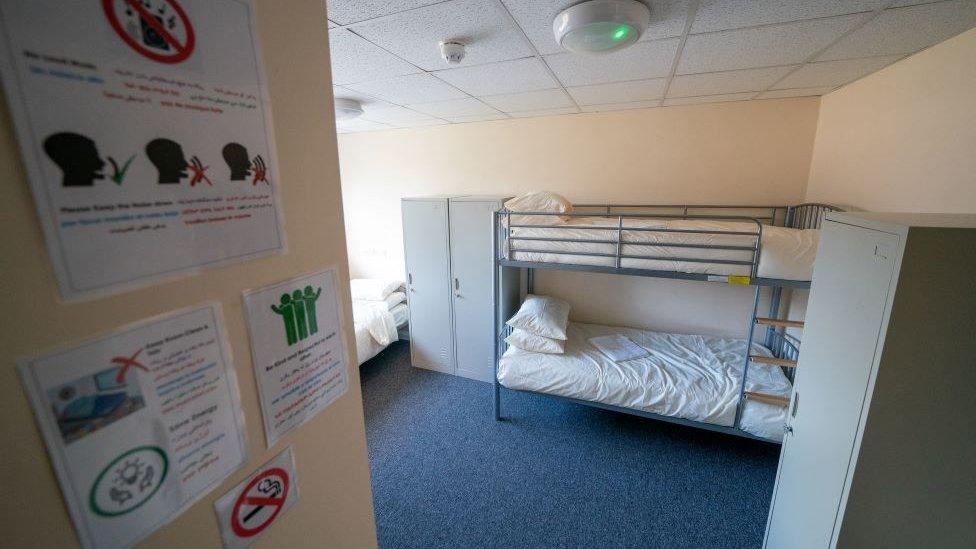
x=119, y=174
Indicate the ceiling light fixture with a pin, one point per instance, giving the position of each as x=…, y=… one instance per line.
x=601, y=26
x=347, y=109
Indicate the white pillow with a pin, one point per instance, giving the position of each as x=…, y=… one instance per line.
x=373, y=289
x=538, y=201
x=543, y=316
x=537, y=344
x=390, y=302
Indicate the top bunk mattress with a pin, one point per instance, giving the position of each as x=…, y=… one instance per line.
x=687, y=376
x=785, y=253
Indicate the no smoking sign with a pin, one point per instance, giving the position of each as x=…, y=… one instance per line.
x=257, y=502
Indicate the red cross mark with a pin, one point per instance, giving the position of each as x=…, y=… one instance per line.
x=197, y=169
x=127, y=363
x=260, y=171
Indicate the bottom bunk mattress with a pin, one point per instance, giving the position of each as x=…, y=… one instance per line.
x=686, y=376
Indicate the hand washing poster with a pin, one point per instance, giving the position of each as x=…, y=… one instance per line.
x=145, y=133
x=297, y=348
x=139, y=423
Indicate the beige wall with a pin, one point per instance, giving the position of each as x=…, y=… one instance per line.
x=727, y=153
x=904, y=138
x=335, y=508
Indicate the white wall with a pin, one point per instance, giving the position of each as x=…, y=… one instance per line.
x=730, y=153
x=904, y=138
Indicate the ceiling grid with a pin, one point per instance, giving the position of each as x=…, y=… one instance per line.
x=385, y=54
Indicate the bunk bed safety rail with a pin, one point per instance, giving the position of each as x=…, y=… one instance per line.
x=614, y=233
x=808, y=216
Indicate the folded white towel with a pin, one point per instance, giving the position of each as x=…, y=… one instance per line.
x=618, y=348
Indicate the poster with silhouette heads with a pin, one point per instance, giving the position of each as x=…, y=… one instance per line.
x=140, y=422
x=299, y=356
x=146, y=134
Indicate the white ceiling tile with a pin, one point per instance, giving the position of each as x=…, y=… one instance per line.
x=906, y=30
x=545, y=112
x=535, y=18
x=833, y=73
x=412, y=88
x=520, y=75
x=621, y=106
x=797, y=92
x=708, y=99
x=619, y=92
x=393, y=114
x=530, y=101
x=331, y=24
x=467, y=106
x=640, y=61
x=365, y=100
x=355, y=60
x=903, y=3
x=716, y=15
x=762, y=46
x=345, y=12
x=414, y=35
x=477, y=118
x=714, y=83
x=359, y=125
x=420, y=124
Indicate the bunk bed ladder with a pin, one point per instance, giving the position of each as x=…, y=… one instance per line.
x=783, y=345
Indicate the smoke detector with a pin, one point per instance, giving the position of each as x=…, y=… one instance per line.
x=601, y=26
x=347, y=109
x=452, y=52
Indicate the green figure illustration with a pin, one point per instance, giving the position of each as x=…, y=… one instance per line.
x=298, y=303
x=287, y=312
x=311, y=296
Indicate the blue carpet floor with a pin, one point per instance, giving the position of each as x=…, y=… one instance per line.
x=555, y=474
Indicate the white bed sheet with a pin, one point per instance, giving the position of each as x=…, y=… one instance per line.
x=785, y=253
x=688, y=376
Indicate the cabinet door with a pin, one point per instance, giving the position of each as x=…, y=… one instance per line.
x=471, y=265
x=425, y=243
x=848, y=297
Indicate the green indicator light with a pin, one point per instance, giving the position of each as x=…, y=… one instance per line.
x=620, y=33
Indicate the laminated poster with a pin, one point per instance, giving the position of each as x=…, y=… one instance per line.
x=139, y=423
x=297, y=348
x=258, y=502
x=146, y=134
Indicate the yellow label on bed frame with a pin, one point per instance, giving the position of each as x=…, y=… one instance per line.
x=744, y=280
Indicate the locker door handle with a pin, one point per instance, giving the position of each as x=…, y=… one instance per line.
x=410, y=282
x=796, y=404
x=457, y=287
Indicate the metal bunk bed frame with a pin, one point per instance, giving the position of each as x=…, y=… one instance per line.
x=777, y=340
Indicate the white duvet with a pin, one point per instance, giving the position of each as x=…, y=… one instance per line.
x=376, y=326
x=688, y=376
x=785, y=253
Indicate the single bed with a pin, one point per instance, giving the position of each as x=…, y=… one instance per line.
x=373, y=329
x=685, y=376
x=700, y=246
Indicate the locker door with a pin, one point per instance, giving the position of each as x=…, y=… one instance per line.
x=845, y=317
x=425, y=243
x=471, y=264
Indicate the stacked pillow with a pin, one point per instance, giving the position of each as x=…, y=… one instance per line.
x=540, y=325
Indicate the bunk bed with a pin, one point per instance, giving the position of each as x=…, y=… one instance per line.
x=720, y=384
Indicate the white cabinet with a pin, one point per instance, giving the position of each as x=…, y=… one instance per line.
x=447, y=244
x=877, y=453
